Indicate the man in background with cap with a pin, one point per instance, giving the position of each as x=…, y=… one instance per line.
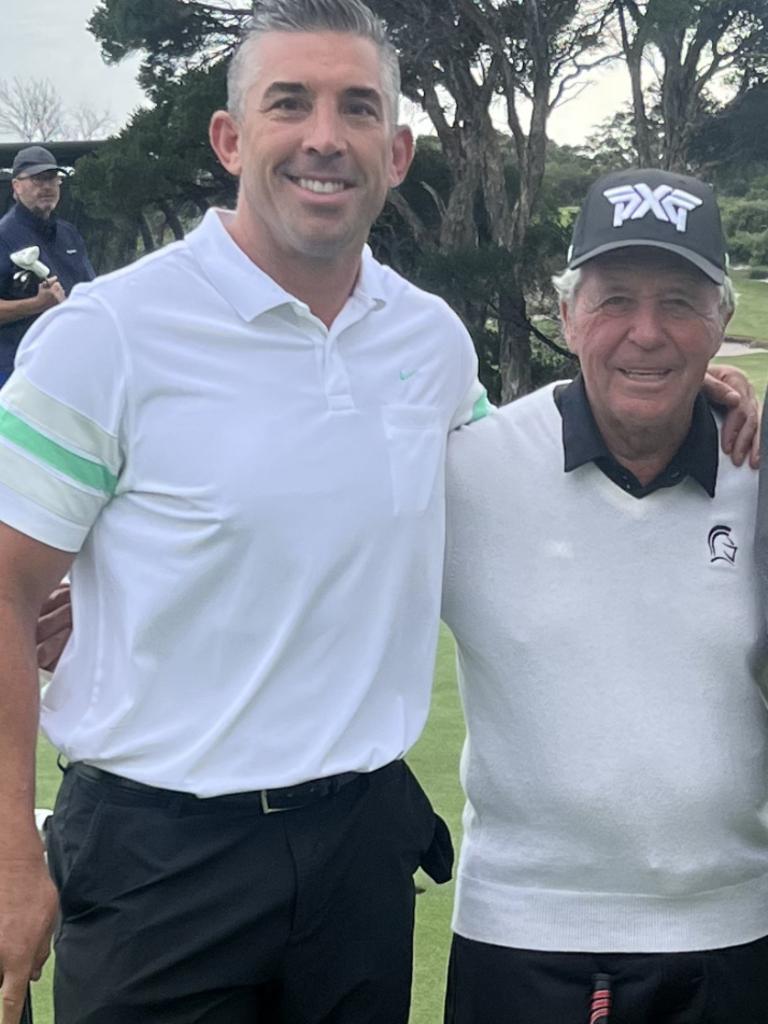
x=615, y=859
x=31, y=221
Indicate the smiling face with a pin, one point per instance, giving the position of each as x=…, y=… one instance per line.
x=644, y=325
x=39, y=192
x=315, y=149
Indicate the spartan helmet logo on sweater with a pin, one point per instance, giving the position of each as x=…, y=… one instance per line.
x=721, y=547
x=633, y=202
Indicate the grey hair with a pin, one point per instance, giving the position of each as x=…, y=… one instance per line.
x=351, y=16
x=568, y=283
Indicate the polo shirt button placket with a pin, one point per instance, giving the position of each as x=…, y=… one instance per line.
x=337, y=385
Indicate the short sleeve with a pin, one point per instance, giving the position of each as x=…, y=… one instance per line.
x=60, y=424
x=473, y=404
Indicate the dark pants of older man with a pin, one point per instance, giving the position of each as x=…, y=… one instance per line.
x=178, y=910
x=498, y=985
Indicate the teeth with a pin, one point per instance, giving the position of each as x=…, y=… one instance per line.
x=323, y=187
x=644, y=373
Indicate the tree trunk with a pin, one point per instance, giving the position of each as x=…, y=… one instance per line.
x=514, y=344
x=146, y=234
x=172, y=220
x=633, y=54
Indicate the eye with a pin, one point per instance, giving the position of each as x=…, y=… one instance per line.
x=288, y=105
x=676, y=305
x=360, y=108
x=616, y=303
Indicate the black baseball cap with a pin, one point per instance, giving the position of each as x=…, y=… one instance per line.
x=34, y=160
x=656, y=208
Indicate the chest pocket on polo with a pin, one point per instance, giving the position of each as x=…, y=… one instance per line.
x=415, y=439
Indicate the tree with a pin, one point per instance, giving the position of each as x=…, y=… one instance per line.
x=695, y=43
x=467, y=64
x=30, y=109
x=731, y=143
x=85, y=122
x=465, y=61
x=176, y=36
x=159, y=173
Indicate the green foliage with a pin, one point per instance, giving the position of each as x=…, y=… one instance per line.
x=569, y=173
x=747, y=248
x=612, y=144
x=175, y=35
x=758, y=273
x=160, y=162
x=548, y=365
x=749, y=215
x=427, y=187
x=732, y=140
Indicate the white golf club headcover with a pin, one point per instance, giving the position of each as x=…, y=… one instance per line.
x=27, y=259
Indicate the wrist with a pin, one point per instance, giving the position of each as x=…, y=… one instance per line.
x=23, y=849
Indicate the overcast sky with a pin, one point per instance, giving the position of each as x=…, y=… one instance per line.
x=49, y=39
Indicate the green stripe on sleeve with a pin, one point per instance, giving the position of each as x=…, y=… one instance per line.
x=61, y=423
x=481, y=408
x=82, y=470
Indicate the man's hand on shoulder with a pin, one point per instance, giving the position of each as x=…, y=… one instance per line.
x=54, y=626
x=727, y=386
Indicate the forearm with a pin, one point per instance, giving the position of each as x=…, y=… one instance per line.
x=19, y=715
x=18, y=309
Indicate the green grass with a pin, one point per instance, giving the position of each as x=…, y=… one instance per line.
x=754, y=365
x=435, y=759
x=751, y=317
x=48, y=776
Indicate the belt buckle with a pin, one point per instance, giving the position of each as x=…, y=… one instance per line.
x=264, y=799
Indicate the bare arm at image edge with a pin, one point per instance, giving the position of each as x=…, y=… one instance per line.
x=29, y=570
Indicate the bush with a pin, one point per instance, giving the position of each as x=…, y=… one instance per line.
x=750, y=215
x=740, y=248
x=758, y=273
x=759, y=250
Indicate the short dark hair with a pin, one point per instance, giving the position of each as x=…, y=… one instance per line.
x=351, y=16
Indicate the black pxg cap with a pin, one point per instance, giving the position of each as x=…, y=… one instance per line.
x=34, y=160
x=654, y=208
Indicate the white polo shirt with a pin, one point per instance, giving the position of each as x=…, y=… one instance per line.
x=257, y=503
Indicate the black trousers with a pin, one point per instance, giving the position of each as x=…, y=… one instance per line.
x=176, y=910
x=499, y=985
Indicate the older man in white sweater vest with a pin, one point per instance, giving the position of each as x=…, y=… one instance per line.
x=601, y=588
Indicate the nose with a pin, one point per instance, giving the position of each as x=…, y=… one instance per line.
x=325, y=134
x=646, y=329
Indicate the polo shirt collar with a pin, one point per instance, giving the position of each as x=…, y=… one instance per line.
x=371, y=284
x=696, y=457
x=247, y=288
x=45, y=227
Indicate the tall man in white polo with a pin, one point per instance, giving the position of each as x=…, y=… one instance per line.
x=249, y=480
x=616, y=766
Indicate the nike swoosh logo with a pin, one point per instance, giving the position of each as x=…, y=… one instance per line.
x=405, y=376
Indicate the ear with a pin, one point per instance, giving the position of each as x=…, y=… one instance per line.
x=725, y=321
x=224, y=136
x=402, y=155
x=565, y=320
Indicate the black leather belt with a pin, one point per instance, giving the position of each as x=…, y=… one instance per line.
x=264, y=801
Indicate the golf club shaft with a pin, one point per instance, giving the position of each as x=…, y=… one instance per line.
x=600, y=1005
